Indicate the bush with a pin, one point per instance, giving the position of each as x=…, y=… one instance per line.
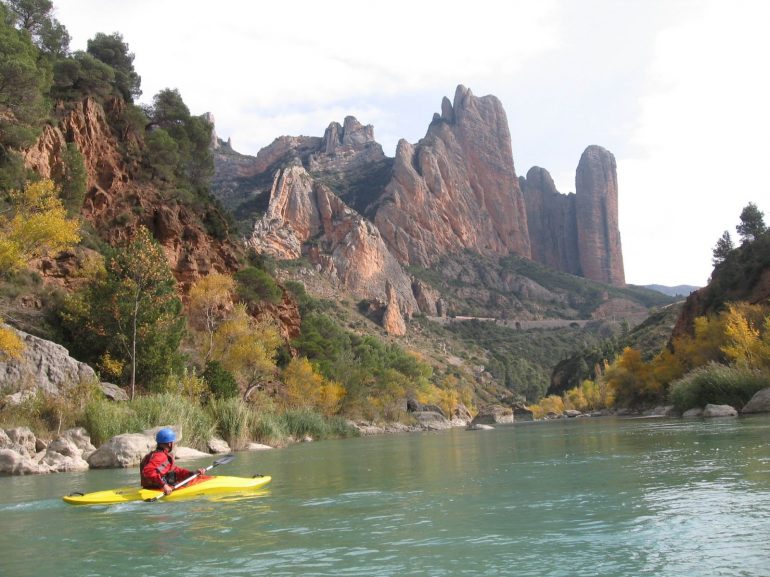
x=716, y=384
x=221, y=382
x=256, y=285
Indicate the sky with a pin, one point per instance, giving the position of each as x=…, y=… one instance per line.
x=677, y=90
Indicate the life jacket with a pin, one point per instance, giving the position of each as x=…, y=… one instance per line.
x=163, y=469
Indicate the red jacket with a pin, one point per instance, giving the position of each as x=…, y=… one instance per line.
x=155, y=468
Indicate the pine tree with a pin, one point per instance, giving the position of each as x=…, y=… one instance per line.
x=752, y=223
x=722, y=249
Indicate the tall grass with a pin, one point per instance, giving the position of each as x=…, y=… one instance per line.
x=236, y=421
x=716, y=384
x=233, y=420
x=104, y=419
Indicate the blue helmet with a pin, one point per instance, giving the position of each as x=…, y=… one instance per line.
x=165, y=436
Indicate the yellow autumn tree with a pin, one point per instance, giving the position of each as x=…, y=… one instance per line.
x=632, y=380
x=210, y=298
x=306, y=388
x=744, y=345
x=35, y=225
x=246, y=347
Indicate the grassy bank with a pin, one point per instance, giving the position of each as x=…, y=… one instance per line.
x=237, y=422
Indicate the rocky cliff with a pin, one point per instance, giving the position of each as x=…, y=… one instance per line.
x=117, y=202
x=457, y=188
x=305, y=217
x=577, y=233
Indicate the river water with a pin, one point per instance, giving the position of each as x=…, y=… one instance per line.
x=606, y=497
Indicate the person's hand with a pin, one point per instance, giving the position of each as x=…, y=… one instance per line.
x=167, y=489
x=202, y=471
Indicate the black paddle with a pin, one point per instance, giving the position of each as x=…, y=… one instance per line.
x=223, y=461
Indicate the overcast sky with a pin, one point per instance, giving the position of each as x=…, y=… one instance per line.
x=677, y=90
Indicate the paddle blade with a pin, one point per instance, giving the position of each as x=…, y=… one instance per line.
x=224, y=460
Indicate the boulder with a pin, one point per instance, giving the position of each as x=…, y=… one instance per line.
x=695, y=412
x=113, y=392
x=45, y=365
x=719, y=411
x=64, y=455
x=188, y=454
x=257, y=447
x=14, y=463
x=572, y=413
x=124, y=450
x=759, y=403
x=22, y=440
x=522, y=413
x=217, y=445
x=82, y=440
x=431, y=420
x=493, y=415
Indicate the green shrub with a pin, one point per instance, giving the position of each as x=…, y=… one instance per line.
x=255, y=286
x=716, y=384
x=221, y=381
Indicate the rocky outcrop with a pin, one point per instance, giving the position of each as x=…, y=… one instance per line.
x=44, y=366
x=492, y=415
x=307, y=218
x=392, y=321
x=552, y=222
x=759, y=403
x=577, y=233
x=116, y=203
x=596, y=207
x=457, y=188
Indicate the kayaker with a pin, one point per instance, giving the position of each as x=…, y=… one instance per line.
x=158, y=470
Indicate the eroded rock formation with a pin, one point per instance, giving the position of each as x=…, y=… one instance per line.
x=305, y=217
x=457, y=188
x=577, y=233
x=596, y=206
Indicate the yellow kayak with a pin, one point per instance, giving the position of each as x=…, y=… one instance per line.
x=214, y=486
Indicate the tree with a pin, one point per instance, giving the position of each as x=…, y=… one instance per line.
x=113, y=51
x=23, y=81
x=36, y=226
x=80, y=76
x=246, y=348
x=722, y=249
x=752, y=223
x=36, y=18
x=210, y=297
x=131, y=310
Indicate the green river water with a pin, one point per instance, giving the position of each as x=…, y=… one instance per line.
x=607, y=497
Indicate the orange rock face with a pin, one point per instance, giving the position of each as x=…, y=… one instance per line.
x=457, y=188
x=116, y=204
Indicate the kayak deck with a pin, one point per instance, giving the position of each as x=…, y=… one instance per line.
x=217, y=485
